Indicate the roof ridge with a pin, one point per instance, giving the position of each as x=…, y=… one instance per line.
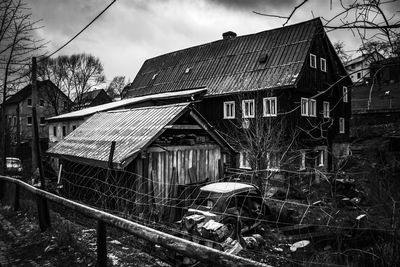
x=148, y=107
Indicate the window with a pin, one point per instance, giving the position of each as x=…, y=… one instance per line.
x=64, y=131
x=272, y=161
x=302, y=160
x=229, y=110
x=313, y=108
x=358, y=75
x=304, y=106
x=326, y=109
x=73, y=127
x=41, y=102
x=345, y=94
x=14, y=120
x=270, y=107
x=321, y=158
x=244, y=160
x=29, y=120
x=313, y=61
x=323, y=64
x=29, y=102
x=248, y=108
x=42, y=120
x=55, y=131
x=341, y=125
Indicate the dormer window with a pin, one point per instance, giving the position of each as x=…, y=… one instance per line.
x=323, y=64
x=313, y=61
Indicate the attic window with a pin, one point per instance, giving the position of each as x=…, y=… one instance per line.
x=263, y=57
x=154, y=76
x=313, y=61
x=187, y=70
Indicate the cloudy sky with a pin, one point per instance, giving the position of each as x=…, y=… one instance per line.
x=133, y=30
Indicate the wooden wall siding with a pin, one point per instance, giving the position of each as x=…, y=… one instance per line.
x=186, y=165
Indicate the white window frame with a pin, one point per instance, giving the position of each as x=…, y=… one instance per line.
x=271, y=102
x=342, y=128
x=322, y=64
x=302, y=160
x=326, y=109
x=251, y=108
x=273, y=167
x=345, y=94
x=321, y=158
x=15, y=121
x=304, y=111
x=312, y=105
x=313, y=61
x=226, y=109
x=243, y=160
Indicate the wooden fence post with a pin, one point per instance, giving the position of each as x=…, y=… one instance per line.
x=41, y=207
x=101, y=244
x=16, y=198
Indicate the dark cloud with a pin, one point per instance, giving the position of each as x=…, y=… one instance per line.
x=257, y=5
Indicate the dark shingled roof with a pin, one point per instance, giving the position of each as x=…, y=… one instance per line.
x=27, y=91
x=268, y=59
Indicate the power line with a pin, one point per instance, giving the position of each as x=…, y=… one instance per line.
x=87, y=26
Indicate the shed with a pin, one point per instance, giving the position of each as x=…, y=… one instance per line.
x=161, y=145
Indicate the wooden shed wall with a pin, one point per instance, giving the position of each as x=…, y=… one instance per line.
x=179, y=165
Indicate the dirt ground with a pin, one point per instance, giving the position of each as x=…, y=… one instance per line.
x=65, y=244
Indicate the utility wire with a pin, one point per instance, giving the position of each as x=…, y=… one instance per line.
x=87, y=26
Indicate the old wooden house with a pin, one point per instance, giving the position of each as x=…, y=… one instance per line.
x=289, y=74
x=155, y=148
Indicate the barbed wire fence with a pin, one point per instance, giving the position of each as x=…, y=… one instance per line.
x=161, y=204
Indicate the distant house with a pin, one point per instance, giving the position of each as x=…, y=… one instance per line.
x=290, y=73
x=378, y=101
x=51, y=101
x=91, y=99
x=62, y=125
x=359, y=67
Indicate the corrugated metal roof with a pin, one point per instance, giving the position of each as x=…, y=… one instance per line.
x=121, y=103
x=233, y=65
x=131, y=129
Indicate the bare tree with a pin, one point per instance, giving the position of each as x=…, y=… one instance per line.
x=116, y=86
x=75, y=75
x=17, y=45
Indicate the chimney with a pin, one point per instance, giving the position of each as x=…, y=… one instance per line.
x=228, y=35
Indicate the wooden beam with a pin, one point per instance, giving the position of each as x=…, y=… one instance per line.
x=184, y=127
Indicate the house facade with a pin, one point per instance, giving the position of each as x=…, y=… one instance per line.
x=51, y=101
x=359, y=67
x=288, y=78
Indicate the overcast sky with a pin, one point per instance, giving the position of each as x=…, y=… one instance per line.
x=133, y=30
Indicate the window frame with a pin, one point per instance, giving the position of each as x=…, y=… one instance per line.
x=55, y=131
x=44, y=121
x=342, y=127
x=313, y=61
x=268, y=101
x=312, y=104
x=225, y=110
x=321, y=158
x=326, y=109
x=64, y=131
x=305, y=101
x=248, y=101
x=243, y=160
x=29, y=118
x=345, y=94
x=275, y=160
x=41, y=102
x=29, y=100
x=322, y=63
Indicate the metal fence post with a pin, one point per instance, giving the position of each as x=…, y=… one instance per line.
x=101, y=244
